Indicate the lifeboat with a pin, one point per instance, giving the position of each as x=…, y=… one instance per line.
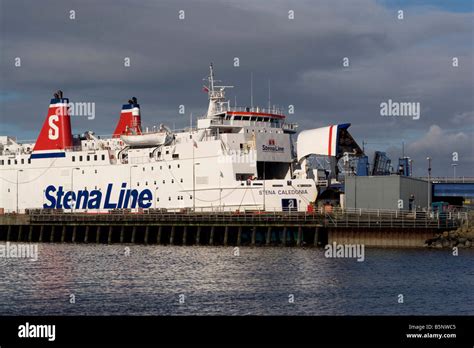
x=147, y=139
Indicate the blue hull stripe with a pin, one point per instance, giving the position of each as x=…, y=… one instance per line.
x=48, y=155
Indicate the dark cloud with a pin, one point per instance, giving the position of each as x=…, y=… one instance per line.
x=409, y=60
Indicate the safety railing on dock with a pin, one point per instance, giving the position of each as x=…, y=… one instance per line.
x=337, y=217
x=324, y=217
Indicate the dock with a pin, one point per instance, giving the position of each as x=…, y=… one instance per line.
x=376, y=228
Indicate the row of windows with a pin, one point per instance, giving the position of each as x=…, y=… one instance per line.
x=15, y=161
x=88, y=158
x=161, y=167
x=164, y=182
x=179, y=198
x=253, y=118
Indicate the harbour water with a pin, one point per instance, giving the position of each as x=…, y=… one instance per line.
x=176, y=280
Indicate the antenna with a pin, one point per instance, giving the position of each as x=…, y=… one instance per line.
x=269, y=96
x=211, y=77
x=251, y=90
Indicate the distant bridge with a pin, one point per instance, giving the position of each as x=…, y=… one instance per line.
x=462, y=187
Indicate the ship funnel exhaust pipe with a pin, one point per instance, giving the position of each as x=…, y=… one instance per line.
x=55, y=136
x=130, y=120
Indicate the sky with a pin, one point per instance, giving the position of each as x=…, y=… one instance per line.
x=299, y=47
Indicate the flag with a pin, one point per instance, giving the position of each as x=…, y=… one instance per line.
x=205, y=89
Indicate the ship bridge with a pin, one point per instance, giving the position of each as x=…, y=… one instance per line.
x=222, y=115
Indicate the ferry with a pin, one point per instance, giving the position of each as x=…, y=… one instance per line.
x=232, y=159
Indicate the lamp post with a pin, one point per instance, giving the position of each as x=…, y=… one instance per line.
x=73, y=202
x=454, y=170
x=17, y=187
x=429, y=183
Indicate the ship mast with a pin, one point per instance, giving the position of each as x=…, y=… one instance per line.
x=216, y=95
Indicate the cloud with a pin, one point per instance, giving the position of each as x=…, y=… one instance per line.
x=440, y=145
x=409, y=60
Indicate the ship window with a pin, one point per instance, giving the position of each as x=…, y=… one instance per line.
x=169, y=167
x=245, y=118
x=176, y=155
x=237, y=118
x=22, y=161
x=151, y=168
x=259, y=119
x=16, y=162
x=88, y=158
x=178, y=165
x=169, y=198
x=95, y=171
x=161, y=167
x=253, y=118
x=103, y=157
x=95, y=157
x=1, y=162
x=82, y=172
x=9, y=162
x=167, y=152
x=265, y=119
x=74, y=158
x=181, y=180
x=172, y=181
x=138, y=184
x=164, y=181
x=143, y=168
x=158, y=199
x=80, y=158
x=154, y=182
x=146, y=183
x=29, y=160
x=191, y=197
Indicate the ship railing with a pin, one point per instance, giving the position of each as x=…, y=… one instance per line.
x=252, y=123
x=74, y=148
x=256, y=109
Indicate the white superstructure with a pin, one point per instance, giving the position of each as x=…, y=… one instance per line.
x=234, y=159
